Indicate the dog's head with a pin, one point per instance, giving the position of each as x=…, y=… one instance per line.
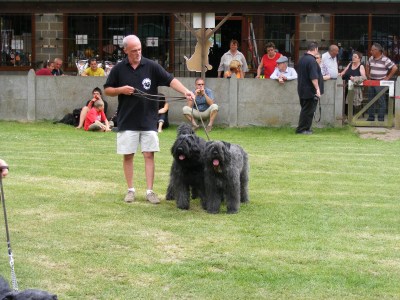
x=185, y=128
x=217, y=154
x=187, y=147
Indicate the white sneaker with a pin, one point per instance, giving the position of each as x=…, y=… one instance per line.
x=152, y=198
x=130, y=197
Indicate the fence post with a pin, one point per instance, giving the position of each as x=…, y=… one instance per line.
x=233, y=102
x=31, y=108
x=338, y=96
x=397, y=105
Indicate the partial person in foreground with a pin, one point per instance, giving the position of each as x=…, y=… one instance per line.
x=137, y=116
x=204, y=107
x=309, y=87
x=3, y=168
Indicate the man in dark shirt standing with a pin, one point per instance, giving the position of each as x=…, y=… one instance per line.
x=137, y=116
x=308, y=88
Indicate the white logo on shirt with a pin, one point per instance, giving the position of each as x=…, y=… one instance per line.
x=146, y=83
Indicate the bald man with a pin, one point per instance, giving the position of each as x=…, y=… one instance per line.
x=137, y=114
x=330, y=60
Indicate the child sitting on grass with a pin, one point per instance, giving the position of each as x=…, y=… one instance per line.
x=95, y=119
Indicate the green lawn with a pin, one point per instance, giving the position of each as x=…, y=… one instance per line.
x=323, y=220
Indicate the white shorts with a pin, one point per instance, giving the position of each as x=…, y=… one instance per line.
x=128, y=141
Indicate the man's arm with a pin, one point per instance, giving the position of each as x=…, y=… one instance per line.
x=292, y=74
x=115, y=91
x=316, y=86
x=275, y=74
x=393, y=71
x=180, y=88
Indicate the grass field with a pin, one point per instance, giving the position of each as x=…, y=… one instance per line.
x=323, y=220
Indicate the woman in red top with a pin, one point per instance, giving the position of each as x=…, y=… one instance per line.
x=46, y=70
x=268, y=61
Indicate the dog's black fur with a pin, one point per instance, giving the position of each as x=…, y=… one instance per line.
x=225, y=176
x=7, y=293
x=187, y=170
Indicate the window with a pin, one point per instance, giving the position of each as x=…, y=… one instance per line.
x=83, y=38
x=16, y=40
x=115, y=28
x=351, y=31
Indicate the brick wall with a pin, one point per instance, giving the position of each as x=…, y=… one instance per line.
x=49, y=34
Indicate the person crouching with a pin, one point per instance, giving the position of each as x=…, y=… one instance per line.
x=95, y=119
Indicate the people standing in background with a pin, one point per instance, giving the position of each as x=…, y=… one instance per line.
x=355, y=72
x=235, y=69
x=268, y=61
x=309, y=87
x=324, y=69
x=329, y=59
x=282, y=72
x=57, y=67
x=379, y=67
x=232, y=54
x=48, y=66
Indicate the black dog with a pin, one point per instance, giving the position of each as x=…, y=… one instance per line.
x=7, y=293
x=225, y=176
x=187, y=170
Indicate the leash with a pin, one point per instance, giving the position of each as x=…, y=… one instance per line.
x=201, y=119
x=156, y=98
x=152, y=97
x=10, y=255
x=318, y=99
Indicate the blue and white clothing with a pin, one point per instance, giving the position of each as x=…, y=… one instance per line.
x=378, y=68
x=201, y=100
x=331, y=63
x=289, y=73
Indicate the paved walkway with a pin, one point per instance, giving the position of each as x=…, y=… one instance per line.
x=379, y=133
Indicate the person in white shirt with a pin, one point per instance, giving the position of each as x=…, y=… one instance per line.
x=329, y=59
x=282, y=72
x=232, y=54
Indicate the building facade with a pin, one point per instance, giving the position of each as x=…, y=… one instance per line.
x=33, y=32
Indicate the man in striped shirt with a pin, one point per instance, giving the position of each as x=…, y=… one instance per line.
x=379, y=67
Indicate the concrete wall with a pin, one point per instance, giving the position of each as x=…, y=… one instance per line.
x=242, y=102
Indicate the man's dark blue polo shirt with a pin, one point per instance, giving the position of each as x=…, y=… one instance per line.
x=134, y=111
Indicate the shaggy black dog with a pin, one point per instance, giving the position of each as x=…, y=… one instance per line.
x=225, y=176
x=7, y=293
x=187, y=170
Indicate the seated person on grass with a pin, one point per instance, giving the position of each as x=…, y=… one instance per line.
x=97, y=95
x=162, y=113
x=96, y=120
